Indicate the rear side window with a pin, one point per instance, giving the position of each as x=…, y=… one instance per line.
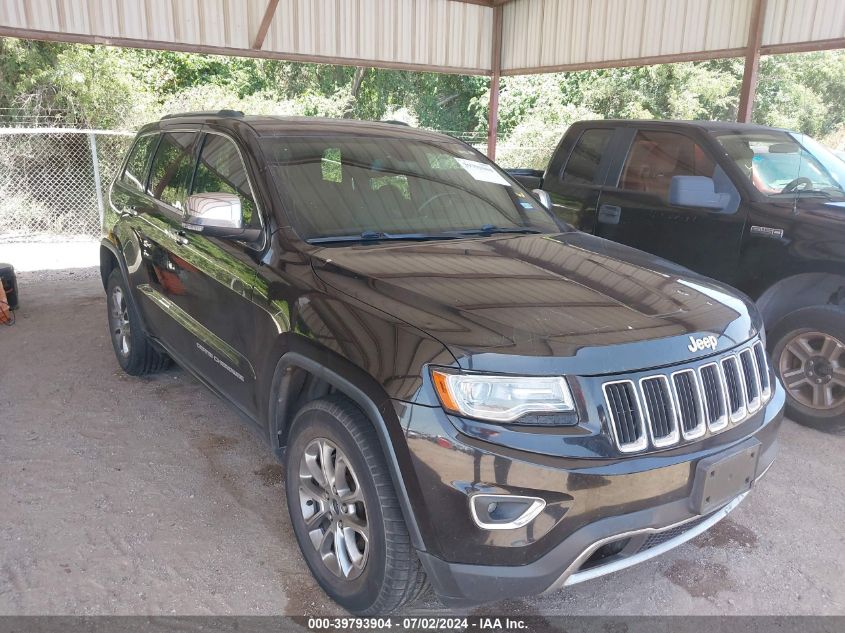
x=656, y=157
x=135, y=174
x=172, y=167
x=584, y=161
x=221, y=170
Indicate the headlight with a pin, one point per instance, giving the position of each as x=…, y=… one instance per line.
x=501, y=398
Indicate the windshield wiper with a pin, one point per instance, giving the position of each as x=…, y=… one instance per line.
x=377, y=236
x=490, y=229
x=815, y=192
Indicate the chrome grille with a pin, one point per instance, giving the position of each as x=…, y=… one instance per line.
x=626, y=420
x=751, y=378
x=735, y=388
x=716, y=406
x=762, y=367
x=690, y=404
x=661, y=409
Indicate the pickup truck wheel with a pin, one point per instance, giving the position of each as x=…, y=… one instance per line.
x=344, y=510
x=808, y=352
x=133, y=349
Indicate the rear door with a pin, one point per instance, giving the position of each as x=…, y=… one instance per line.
x=635, y=209
x=576, y=174
x=156, y=225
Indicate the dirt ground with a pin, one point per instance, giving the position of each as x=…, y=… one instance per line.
x=122, y=495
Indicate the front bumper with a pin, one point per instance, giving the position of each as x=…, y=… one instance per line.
x=601, y=516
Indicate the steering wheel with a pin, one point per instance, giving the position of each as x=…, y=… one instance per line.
x=802, y=181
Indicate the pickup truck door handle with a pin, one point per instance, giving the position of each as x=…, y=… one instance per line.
x=609, y=214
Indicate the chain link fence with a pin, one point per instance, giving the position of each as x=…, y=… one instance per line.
x=55, y=180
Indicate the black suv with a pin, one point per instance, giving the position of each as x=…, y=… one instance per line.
x=463, y=394
x=758, y=208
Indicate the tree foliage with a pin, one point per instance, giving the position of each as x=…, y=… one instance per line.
x=96, y=86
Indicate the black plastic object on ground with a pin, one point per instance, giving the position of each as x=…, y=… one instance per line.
x=10, y=284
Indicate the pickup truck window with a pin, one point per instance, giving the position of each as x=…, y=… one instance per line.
x=586, y=156
x=656, y=157
x=172, y=168
x=386, y=188
x=786, y=164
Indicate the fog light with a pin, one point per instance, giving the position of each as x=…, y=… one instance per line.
x=504, y=512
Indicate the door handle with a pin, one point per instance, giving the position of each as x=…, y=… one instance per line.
x=609, y=214
x=180, y=238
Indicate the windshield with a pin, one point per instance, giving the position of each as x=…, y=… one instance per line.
x=345, y=187
x=786, y=164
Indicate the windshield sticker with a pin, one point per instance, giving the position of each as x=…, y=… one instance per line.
x=482, y=172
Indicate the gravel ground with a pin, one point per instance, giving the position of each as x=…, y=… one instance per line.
x=148, y=496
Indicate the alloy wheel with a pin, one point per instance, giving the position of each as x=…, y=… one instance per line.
x=812, y=368
x=333, y=509
x=119, y=320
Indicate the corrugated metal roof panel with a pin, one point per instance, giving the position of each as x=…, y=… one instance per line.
x=583, y=31
x=436, y=34
x=790, y=21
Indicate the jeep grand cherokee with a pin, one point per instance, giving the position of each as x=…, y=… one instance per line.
x=464, y=393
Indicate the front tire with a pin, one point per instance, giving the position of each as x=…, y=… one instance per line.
x=808, y=352
x=133, y=349
x=345, y=512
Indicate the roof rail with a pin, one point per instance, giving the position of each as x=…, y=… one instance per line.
x=395, y=122
x=235, y=114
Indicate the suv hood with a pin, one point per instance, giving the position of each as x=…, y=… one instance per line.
x=539, y=304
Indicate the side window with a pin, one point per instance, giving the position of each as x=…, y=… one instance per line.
x=172, y=167
x=656, y=157
x=221, y=170
x=135, y=174
x=586, y=156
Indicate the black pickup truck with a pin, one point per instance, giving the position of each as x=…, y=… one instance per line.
x=758, y=208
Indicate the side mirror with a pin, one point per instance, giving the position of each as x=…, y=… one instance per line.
x=544, y=198
x=218, y=215
x=696, y=191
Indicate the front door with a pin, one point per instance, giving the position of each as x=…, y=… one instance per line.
x=635, y=210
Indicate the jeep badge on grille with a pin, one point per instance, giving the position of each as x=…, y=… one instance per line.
x=705, y=342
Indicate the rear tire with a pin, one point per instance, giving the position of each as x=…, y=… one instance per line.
x=808, y=353
x=134, y=351
x=338, y=483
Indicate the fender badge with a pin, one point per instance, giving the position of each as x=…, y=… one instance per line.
x=766, y=231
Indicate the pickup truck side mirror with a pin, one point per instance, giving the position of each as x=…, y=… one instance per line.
x=544, y=198
x=218, y=215
x=696, y=191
